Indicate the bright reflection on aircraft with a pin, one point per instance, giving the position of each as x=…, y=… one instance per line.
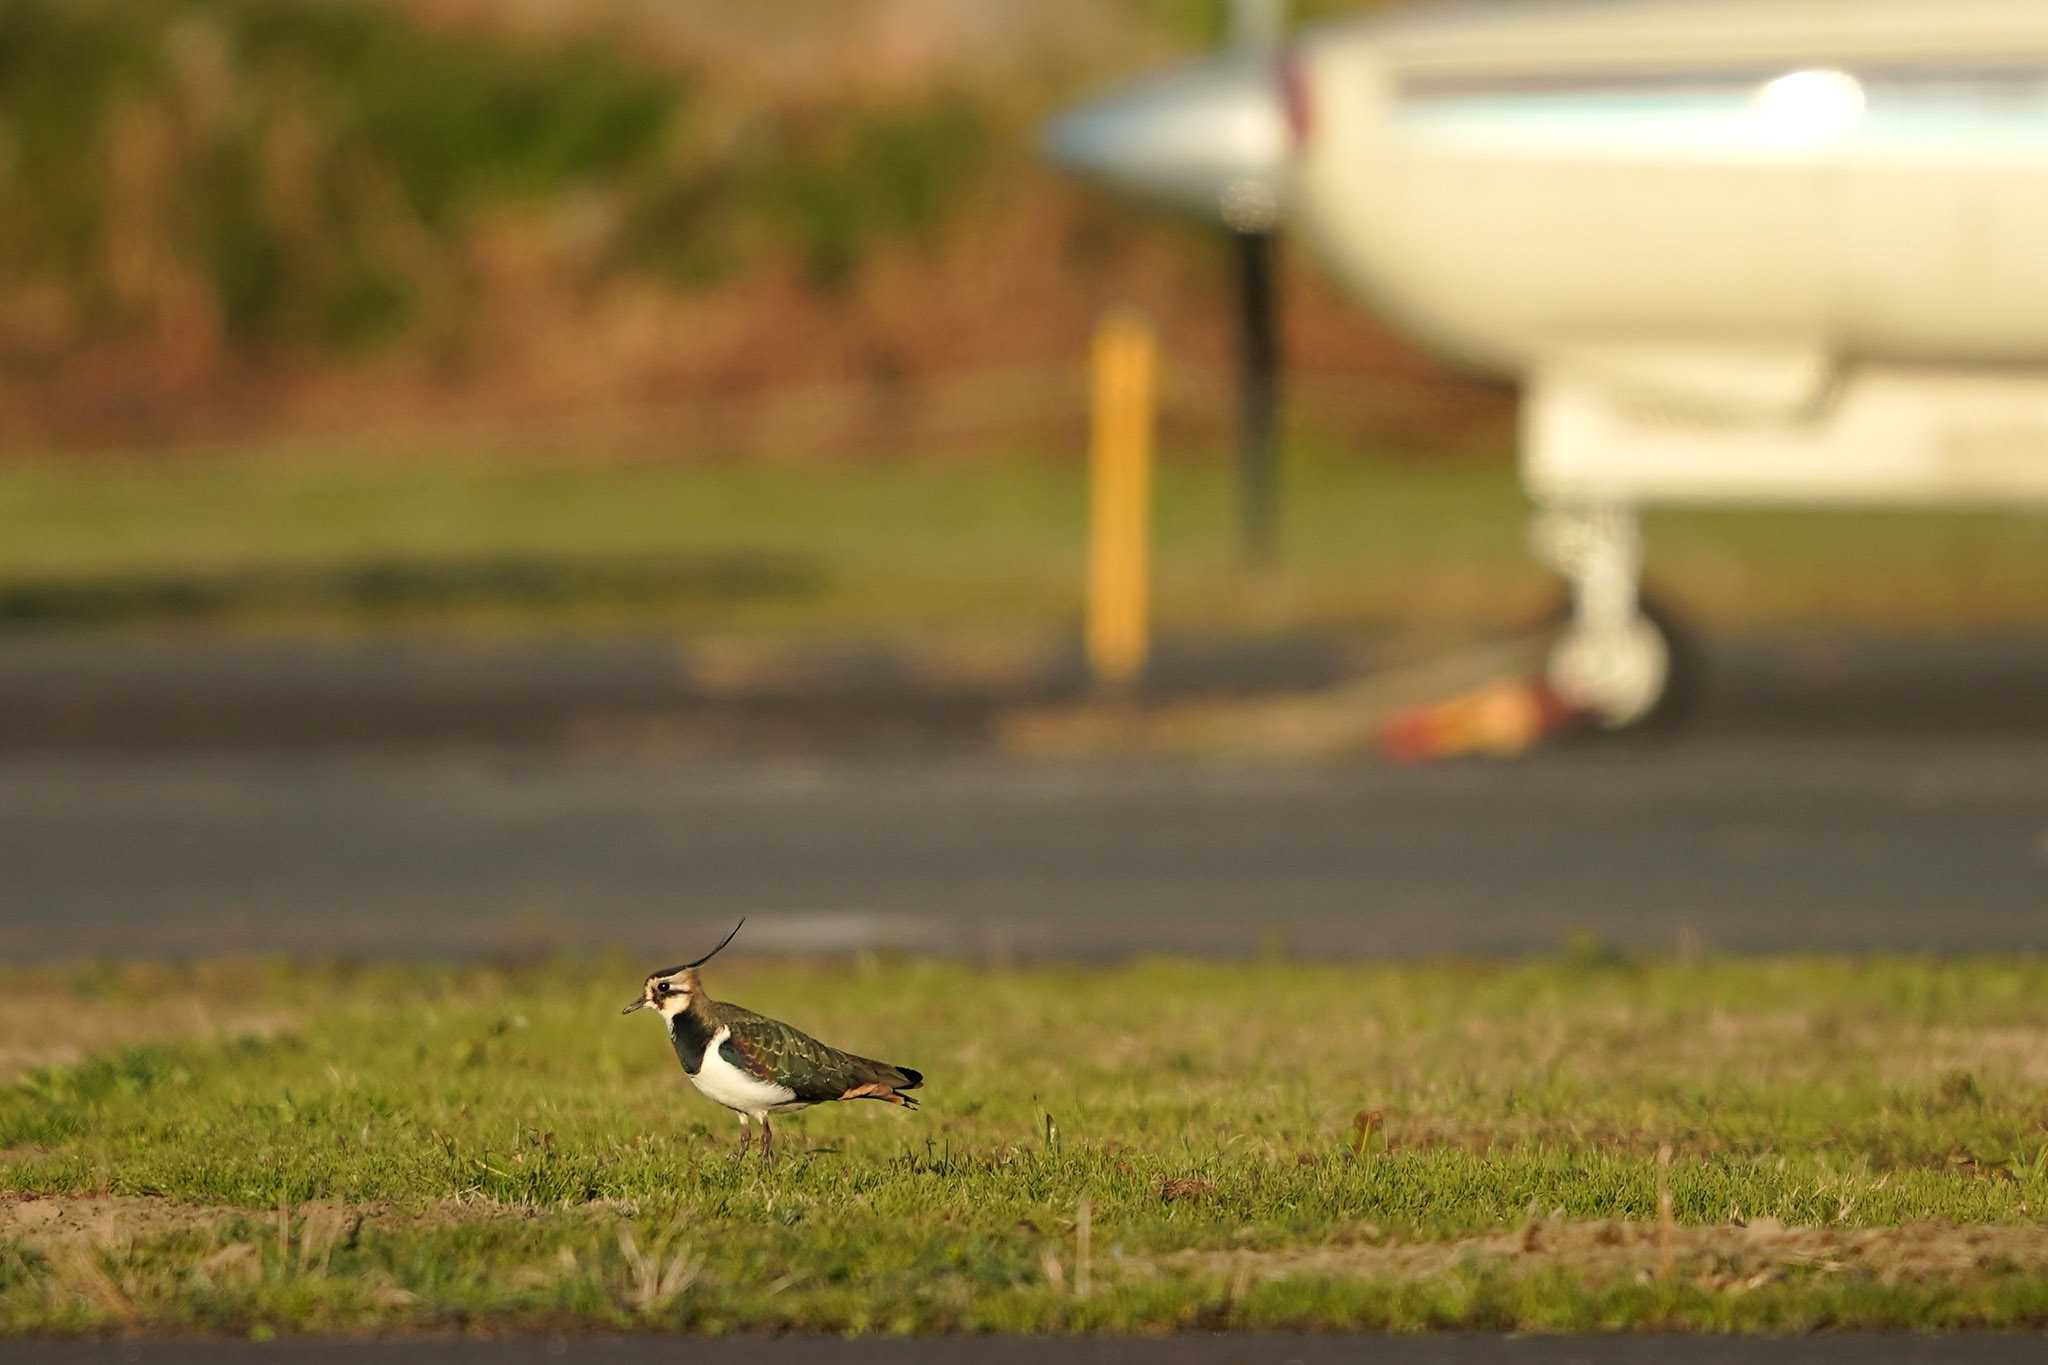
x=1806, y=108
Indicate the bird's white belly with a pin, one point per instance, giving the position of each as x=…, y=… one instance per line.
x=720, y=1080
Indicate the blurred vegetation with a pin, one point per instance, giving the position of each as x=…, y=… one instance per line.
x=304, y=171
x=264, y=217
x=1205, y=23
x=830, y=187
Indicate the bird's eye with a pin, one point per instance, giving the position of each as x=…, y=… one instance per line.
x=662, y=989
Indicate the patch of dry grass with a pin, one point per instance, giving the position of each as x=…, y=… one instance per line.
x=55, y=1016
x=1717, y=1258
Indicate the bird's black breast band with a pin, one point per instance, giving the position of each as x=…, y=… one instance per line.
x=689, y=1036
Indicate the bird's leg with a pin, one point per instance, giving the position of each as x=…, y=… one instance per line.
x=746, y=1138
x=767, y=1141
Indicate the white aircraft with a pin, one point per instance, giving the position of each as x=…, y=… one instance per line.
x=1736, y=251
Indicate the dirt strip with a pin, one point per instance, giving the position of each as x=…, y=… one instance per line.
x=72, y=1222
x=1725, y=1255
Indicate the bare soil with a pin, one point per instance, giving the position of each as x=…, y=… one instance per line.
x=1719, y=1257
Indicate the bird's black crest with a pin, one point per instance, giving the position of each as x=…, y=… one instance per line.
x=671, y=971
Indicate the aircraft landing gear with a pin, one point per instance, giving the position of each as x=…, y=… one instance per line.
x=1619, y=658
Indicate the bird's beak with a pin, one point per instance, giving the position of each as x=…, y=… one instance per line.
x=639, y=1004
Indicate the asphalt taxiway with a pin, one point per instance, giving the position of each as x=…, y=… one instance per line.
x=1873, y=796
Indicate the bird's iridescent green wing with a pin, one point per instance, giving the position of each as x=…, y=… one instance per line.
x=773, y=1051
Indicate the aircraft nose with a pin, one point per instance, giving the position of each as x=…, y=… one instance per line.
x=1211, y=139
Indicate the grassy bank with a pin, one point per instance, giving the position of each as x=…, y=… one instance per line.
x=904, y=548
x=1782, y=1144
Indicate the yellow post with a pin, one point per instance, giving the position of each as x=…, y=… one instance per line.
x=1120, y=496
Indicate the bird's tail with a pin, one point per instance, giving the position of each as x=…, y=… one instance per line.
x=908, y=1080
x=887, y=1083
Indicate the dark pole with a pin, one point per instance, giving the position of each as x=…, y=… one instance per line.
x=1258, y=437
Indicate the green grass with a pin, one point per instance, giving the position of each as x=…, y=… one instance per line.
x=895, y=547
x=905, y=547
x=1146, y=1147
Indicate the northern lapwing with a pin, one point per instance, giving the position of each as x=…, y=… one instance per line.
x=756, y=1066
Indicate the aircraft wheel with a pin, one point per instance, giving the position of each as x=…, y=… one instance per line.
x=1642, y=680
